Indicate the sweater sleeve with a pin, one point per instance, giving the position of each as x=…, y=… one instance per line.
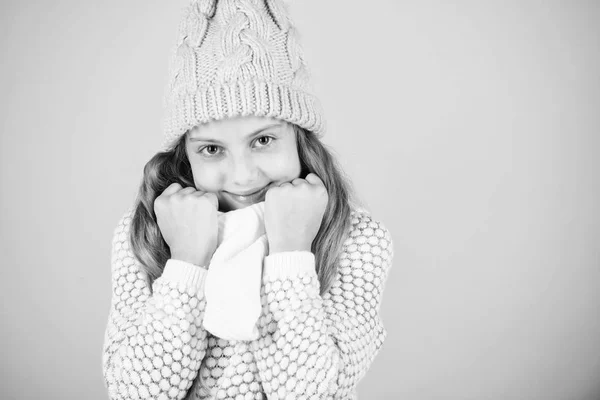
x=319, y=347
x=154, y=341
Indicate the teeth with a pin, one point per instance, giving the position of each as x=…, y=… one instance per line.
x=246, y=198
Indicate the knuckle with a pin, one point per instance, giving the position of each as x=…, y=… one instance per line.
x=205, y=198
x=174, y=187
x=185, y=192
x=160, y=199
x=271, y=192
x=201, y=198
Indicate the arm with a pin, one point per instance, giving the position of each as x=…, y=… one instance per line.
x=154, y=341
x=314, y=347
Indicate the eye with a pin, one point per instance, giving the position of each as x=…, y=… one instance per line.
x=210, y=151
x=264, y=140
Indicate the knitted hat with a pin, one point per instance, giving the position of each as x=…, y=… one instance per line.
x=238, y=58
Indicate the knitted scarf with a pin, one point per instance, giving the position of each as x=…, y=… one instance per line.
x=234, y=276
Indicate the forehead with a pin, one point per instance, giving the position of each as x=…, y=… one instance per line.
x=233, y=128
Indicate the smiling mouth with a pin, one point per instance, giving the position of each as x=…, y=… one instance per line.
x=246, y=195
x=250, y=198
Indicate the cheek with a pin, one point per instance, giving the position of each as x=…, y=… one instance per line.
x=285, y=165
x=207, y=178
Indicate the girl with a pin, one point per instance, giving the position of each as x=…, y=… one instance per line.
x=242, y=145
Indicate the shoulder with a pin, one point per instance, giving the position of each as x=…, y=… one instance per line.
x=367, y=234
x=368, y=247
x=363, y=267
x=123, y=225
x=124, y=220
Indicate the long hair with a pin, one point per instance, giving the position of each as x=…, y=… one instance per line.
x=173, y=165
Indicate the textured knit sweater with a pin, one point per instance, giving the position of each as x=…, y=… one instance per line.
x=311, y=346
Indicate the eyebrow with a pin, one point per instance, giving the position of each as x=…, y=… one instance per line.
x=249, y=136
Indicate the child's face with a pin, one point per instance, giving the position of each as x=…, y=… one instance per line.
x=242, y=155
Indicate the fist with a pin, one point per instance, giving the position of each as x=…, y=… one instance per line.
x=293, y=213
x=187, y=219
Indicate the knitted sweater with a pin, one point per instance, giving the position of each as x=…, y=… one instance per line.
x=310, y=346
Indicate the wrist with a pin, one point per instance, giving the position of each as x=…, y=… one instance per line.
x=284, y=247
x=196, y=259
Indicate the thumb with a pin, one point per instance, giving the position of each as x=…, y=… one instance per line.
x=212, y=197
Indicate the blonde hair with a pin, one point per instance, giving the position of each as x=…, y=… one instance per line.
x=171, y=166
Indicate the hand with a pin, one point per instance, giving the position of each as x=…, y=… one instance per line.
x=293, y=213
x=187, y=219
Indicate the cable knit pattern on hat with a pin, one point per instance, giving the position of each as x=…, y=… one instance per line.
x=238, y=58
x=310, y=346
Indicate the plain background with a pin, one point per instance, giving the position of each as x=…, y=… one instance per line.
x=470, y=129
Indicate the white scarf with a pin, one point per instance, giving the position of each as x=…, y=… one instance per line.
x=234, y=276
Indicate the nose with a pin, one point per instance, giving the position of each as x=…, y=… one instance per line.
x=244, y=171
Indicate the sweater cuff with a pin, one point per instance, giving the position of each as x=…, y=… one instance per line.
x=289, y=264
x=190, y=275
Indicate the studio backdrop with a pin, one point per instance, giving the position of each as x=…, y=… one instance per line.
x=471, y=130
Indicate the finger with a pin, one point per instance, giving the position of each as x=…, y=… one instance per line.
x=212, y=197
x=201, y=193
x=172, y=188
x=313, y=179
x=187, y=190
x=284, y=184
x=298, y=181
